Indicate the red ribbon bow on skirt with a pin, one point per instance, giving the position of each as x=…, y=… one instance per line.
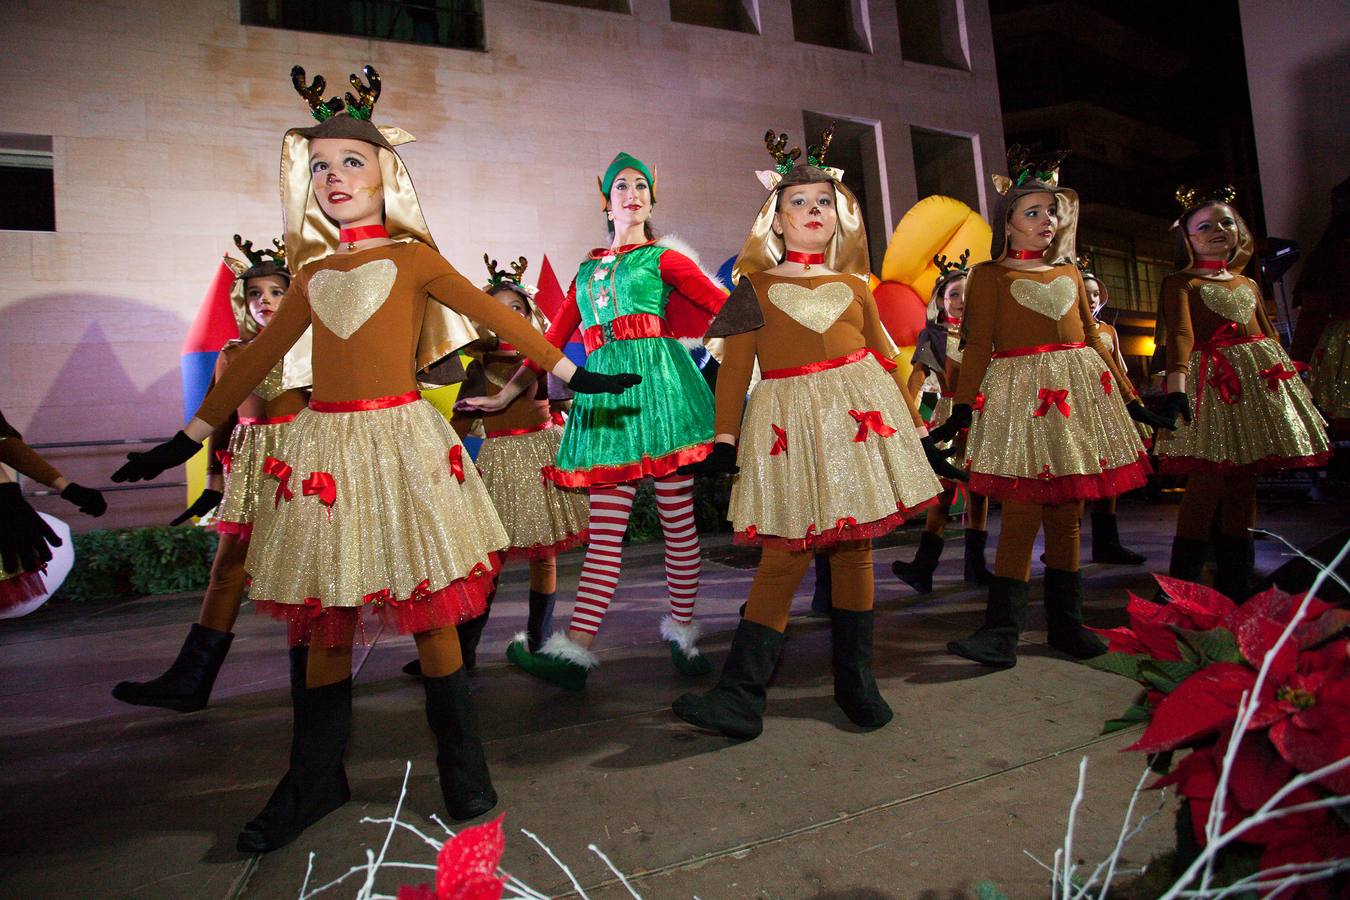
x=1106, y=382
x=275, y=468
x=321, y=483
x=1052, y=398
x=457, y=462
x=1215, y=369
x=779, y=440
x=1277, y=373
x=868, y=422
x=226, y=459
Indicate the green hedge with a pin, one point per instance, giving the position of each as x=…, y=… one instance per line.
x=712, y=493
x=120, y=562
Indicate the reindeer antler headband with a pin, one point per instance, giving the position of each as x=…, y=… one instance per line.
x=786, y=160
x=1189, y=198
x=1026, y=165
x=498, y=278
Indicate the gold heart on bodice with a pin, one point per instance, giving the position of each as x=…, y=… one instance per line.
x=1107, y=339
x=1051, y=300
x=1236, y=305
x=813, y=308
x=343, y=301
x=271, y=387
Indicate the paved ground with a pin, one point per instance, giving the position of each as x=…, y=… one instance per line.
x=106, y=800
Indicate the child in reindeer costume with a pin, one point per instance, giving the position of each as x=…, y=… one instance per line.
x=1245, y=409
x=374, y=509
x=831, y=451
x=236, y=484
x=1055, y=423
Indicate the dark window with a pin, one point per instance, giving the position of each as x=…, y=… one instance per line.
x=945, y=164
x=930, y=32
x=854, y=149
x=26, y=183
x=730, y=15
x=615, y=6
x=441, y=23
x=828, y=25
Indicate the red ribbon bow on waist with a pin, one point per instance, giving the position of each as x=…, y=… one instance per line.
x=978, y=405
x=321, y=483
x=868, y=422
x=1277, y=373
x=779, y=440
x=226, y=459
x=457, y=462
x=275, y=468
x=1056, y=398
x=1106, y=382
x=1215, y=369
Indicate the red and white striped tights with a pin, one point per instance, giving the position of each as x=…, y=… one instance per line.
x=610, y=508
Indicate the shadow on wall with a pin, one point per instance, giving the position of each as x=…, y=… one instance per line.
x=61, y=387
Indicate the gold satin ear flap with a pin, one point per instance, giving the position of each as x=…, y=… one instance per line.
x=396, y=136
x=243, y=322
x=1001, y=183
x=848, y=250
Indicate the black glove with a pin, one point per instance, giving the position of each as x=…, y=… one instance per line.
x=1177, y=404
x=86, y=500
x=1141, y=413
x=937, y=460
x=24, y=536
x=152, y=463
x=960, y=418
x=721, y=461
x=586, y=382
x=208, y=501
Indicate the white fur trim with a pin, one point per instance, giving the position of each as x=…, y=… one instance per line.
x=560, y=646
x=684, y=635
x=520, y=638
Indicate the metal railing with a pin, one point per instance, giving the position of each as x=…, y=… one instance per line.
x=119, y=442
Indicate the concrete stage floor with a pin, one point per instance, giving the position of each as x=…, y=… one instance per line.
x=107, y=800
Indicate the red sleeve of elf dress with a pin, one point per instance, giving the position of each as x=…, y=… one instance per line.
x=560, y=330
x=694, y=299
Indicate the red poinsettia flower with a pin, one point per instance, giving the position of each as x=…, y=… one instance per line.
x=466, y=867
x=1203, y=704
x=1315, y=700
x=1193, y=607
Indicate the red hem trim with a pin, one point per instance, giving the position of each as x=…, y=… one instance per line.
x=336, y=626
x=1064, y=488
x=266, y=420
x=544, y=551
x=338, y=406
x=656, y=467
x=831, y=536
x=21, y=588
x=825, y=364
x=518, y=432
x=1189, y=465
x=241, y=530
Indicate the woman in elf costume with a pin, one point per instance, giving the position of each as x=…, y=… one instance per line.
x=25, y=539
x=1106, y=546
x=632, y=300
x=375, y=509
x=831, y=451
x=237, y=485
x=1054, y=428
x=1245, y=408
x=937, y=363
x=541, y=519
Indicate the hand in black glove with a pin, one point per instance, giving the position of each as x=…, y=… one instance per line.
x=960, y=418
x=152, y=463
x=937, y=460
x=1177, y=404
x=24, y=536
x=1141, y=413
x=721, y=461
x=208, y=501
x=587, y=382
x=86, y=500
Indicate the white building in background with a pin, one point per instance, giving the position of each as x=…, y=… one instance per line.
x=141, y=135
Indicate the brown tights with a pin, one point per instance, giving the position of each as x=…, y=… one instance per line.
x=225, y=590
x=1232, y=496
x=438, y=649
x=544, y=575
x=780, y=572
x=1017, y=536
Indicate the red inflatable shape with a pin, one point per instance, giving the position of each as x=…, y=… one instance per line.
x=902, y=311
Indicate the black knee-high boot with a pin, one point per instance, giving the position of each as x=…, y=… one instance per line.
x=316, y=782
x=919, y=573
x=1106, y=547
x=977, y=572
x=995, y=642
x=1064, y=615
x=735, y=706
x=540, y=622
x=465, y=783
x=186, y=686
x=823, y=597
x=1233, y=558
x=855, y=688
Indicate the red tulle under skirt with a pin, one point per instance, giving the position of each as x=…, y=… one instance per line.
x=818, y=541
x=241, y=530
x=1190, y=465
x=1064, y=488
x=544, y=551
x=21, y=588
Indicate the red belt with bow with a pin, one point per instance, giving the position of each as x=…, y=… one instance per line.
x=1039, y=348
x=266, y=420
x=1277, y=373
x=625, y=328
x=1215, y=369
x=825, y=364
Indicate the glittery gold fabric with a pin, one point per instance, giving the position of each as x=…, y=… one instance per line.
x=1329, y=379
x=534, y=511
x=244, y=483
x=274, y=384
x=400, y=516
x=1235, y=304
x=814, y=308
x=825, y=475
x=1051, y=300
x=1008, y=440
x=344, y=300
x=1264, y=427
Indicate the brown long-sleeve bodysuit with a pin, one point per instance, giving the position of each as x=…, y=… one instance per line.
x=1188, y=322
x=364, y=347
x=18, y=455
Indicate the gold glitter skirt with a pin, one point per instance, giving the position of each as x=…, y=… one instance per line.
x=541, y=519
x=1269, y=424
x=1053, y=430
x=244, y=480
x=379, y=510
x=838, y=478
x=1329, y=378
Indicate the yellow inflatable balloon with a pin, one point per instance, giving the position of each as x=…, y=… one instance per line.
x=934, y=225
